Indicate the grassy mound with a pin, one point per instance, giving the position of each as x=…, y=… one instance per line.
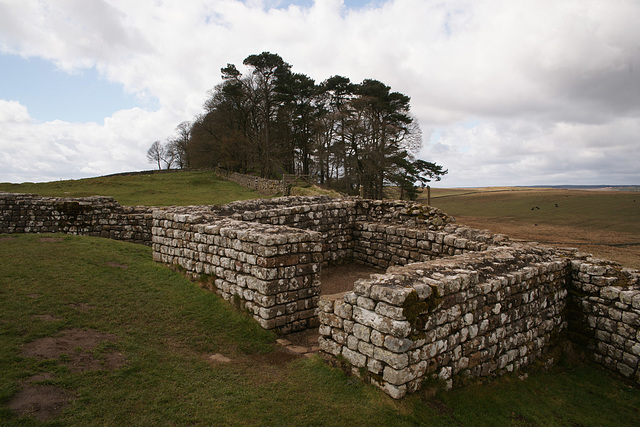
x=148, y=189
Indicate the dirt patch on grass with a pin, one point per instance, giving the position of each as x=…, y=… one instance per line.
x=81, y=306
x=51, y=239
x=42, y=402
x=7, y=238
x=76, y=349
x=615, y=246
x=46, y=317
x=341, y=278
x=278, y=357
x=116, y=265
x=306, y=338
x=80, y=350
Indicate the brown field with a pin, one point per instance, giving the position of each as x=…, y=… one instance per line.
x=616, y=246
x=605, y=223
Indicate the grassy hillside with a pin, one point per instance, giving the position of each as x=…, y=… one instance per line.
x=152, y=189
x=143, y=337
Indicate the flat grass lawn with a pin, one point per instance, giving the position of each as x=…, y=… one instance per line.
x=153, y=334
x=151, y=189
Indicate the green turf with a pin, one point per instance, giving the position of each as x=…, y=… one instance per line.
x=166, y=327
x=154, y=189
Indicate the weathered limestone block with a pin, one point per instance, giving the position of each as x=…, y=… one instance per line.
x=380, y=323
x=355, y=358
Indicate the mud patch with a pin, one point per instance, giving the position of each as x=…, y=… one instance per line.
x=51, y=239
x=280, y=357
x=38, y=378
x=42, y=402
x=6, y=238
x=46, y=317
x=75, y=348
x=81, y=306
x=306, y=338
x=116, y=265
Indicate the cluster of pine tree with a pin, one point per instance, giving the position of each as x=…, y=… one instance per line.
x=356, y=138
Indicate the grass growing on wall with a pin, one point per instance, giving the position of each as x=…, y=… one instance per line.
x=153, y=189
x=166, y=328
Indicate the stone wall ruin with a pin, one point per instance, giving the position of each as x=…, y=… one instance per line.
x=454, y=302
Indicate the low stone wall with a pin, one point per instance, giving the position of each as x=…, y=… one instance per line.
x=454, y=303
x=471, y=315
x=604, y=314
x=333, y=218
x=403, y=213
x=261, y=185
x=383, y=245
x=91, y=216
x=187, y=236
x=271, y=270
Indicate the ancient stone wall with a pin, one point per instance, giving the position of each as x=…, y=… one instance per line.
x=271, y=270
x=187, y=236
x=403, y=213
x=331, y=217
x=383, y=245
x=261, y=185
x=604, y=314
x=454, y=303
x=91, y=216
x=471, y=315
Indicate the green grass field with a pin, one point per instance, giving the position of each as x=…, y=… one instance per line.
x=153, y=189
x=166, y=328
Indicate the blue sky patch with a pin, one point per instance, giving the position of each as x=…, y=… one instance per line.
x=50, y=94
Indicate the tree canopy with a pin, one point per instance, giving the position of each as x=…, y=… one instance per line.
x=357, y=138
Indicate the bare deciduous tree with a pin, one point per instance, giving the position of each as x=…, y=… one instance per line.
x=156, y=153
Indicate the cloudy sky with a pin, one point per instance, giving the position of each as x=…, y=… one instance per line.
x=507, y=92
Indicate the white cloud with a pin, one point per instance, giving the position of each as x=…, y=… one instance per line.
x=13, y=112
x=512, y=91
x=31, y=151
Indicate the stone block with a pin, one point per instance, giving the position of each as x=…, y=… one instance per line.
x=375, y=366
x=355, y=358
x=377, y=338
x=397, y=345
x=385, y=325
x=395, y=360
x=329, y=346
x=624, y=369
x=392, y=294
x=609, y=293
x=395, y=391
x=391, y=311
x=366, y=303
x=631, y=319
x=361, y=332
x=330, y=319
x=366, y=348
